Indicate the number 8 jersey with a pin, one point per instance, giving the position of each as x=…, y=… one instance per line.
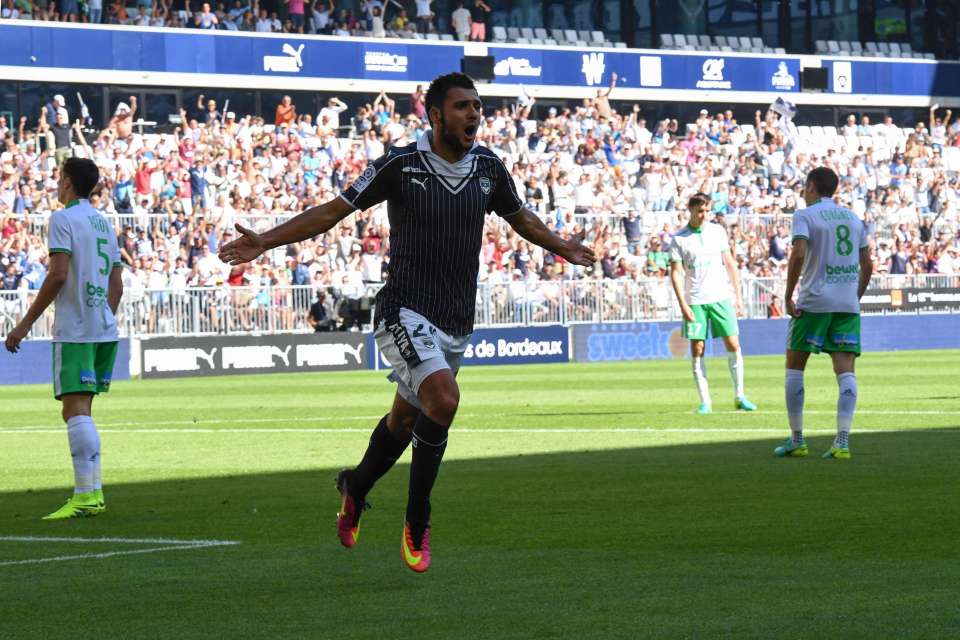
x=831, y=268
x=82, y=313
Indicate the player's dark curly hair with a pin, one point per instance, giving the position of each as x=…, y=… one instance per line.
x=824, y=180
x=437, y=92
x=83, y=173
x=698, y=200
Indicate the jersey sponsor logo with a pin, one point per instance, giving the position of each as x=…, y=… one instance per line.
x=96, y=296
x=485, y=185
x=365, y=179
x=842, y=273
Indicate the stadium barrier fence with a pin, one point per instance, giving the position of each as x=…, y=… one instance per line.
x=272, y=310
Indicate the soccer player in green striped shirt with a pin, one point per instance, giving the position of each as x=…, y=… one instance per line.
x=84, y=283
x=709, y=298
x=830, y=262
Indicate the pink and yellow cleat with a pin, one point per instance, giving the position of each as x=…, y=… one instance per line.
x=348, y=519
x=415, y=547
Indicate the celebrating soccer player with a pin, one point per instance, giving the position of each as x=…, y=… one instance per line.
x=702, y=252
x=831, y=262
x=84, y=282
x=438, y=192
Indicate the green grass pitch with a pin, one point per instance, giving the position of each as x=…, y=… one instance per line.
x=575, y=501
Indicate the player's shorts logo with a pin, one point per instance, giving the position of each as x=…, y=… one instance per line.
x=485, y=185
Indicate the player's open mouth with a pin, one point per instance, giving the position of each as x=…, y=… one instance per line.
x=470, y=130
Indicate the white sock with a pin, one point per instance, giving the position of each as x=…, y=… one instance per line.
x=85, y=450
x=97, y=475
x=846, y=405
x=700, y=378
x=793, y=393
x=735, y=362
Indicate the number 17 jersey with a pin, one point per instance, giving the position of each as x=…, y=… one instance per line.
x=831, y=267
x=82, y=313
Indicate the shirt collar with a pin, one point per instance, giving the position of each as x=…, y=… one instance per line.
x=697, y=230
x=423, y=144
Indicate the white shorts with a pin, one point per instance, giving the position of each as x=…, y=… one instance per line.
x=416, y=349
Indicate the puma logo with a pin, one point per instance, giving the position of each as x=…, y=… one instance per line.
x=422, y=183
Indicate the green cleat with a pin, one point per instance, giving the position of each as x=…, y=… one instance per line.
x=837, y=453
x=790, y=449
x=80, y=505
x=742, y=404
x=704, y=409
x=101, y=503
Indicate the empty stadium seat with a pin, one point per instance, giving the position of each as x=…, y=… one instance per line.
x=704, y=41
x=527, y=32
x=513, y=33
x=541, y=33
x=596, y=38
x=666, y=41
x=570, y=35
x=499, y=34
x=756, y=42
x=745, y=43
x=558, y=35
x=721, y=41
x=446, y=37
x=820, y=46
x=522, y=40
x=620, y=45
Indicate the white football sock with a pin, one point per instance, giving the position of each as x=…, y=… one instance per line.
x=735, y=362
x=793, y=393
x=700, y=378
x=85, y=450
x=846, y=405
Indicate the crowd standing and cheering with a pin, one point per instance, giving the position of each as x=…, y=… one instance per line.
x=616, y=176
x=373, y=18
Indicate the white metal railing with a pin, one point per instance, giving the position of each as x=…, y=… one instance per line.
x=252, y=310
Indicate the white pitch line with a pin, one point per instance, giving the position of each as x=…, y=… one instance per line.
x=242, y=420
x=120, y=540
x=498, y=430
x=169, y=545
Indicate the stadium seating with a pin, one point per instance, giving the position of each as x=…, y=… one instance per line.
x=870, y=49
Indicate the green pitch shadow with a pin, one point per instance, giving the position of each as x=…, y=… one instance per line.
x=693, y=541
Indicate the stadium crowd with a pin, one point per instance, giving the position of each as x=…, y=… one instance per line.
x=624, y=180
x=374, y=18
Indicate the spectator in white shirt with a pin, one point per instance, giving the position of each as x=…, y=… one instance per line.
x=334, y=108
x=460, y=19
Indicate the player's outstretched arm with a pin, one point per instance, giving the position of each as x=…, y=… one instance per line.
x=308, y=224
x=529, y=226
x=59, y=266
